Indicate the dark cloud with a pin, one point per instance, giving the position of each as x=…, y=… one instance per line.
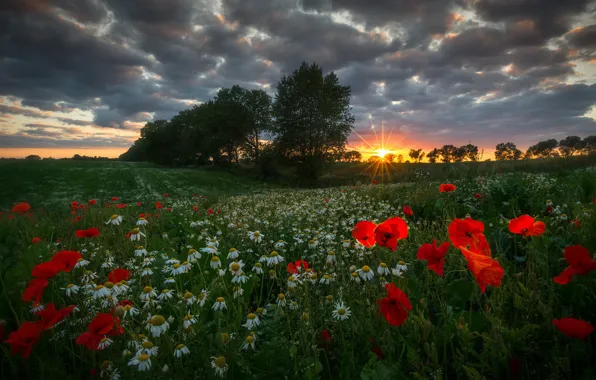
x=583, y=38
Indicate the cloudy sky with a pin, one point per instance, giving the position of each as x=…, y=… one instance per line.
x=84, y=76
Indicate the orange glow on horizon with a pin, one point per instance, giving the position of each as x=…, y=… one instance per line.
x=61, y=152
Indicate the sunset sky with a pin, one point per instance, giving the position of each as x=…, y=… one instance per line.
x=84, y=76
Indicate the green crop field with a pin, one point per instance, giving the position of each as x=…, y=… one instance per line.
x=257, y=281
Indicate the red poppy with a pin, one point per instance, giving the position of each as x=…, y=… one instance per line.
x=50, y=316
x=139, y=204
x=89, y=340
x=114, y=198
x=576, y=223
x=408, y=211
x=34, y=290
x=549, y=210
x=573, y=328
x=103, y=324
x=580, y=263
x=463, y=232
x=35, y=240
x=324, y=338
x=92, y=202
x=121, y=205
x=118, y=274
x=486, y=270
x=477, y=195
x=326, y=200
x=374, y=182
x=67, y=258
x=158, y=205
x=395, y=306
x=165, y=195
x=169, y=209
x=364, y=232
x=47, y=270
x=21, y=207
x=210, y=211
x=108, y=205
x=295, y=266
x=434, y=256
x=88, y=233
x=447, y=188
x=376, y=349
x=526, y=226
x=480, y=245
x=390, y=231
x=24, y=338
x=195, y=208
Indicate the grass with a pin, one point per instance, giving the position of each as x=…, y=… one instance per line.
x=453, y=330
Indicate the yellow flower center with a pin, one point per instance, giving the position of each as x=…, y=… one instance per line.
x=191, y=251
x=188, y=317
x=383, y=265
x=70, y=285
x=98, y=287
x=147, y=289
x=281, y=297
x=176, y=266
x=366, y=268
x=305, y=316
x=127, y=307
x=251, y=316
x=109, y=284
x=188, y=295
x=259, y=310
x=273, y=254
x=326, y=276
x=258, y=265
x=249, y=339
x=215, y=259
x=180, y=346
x=292, y=278
x=225, y=337
x=185, y=263
x=219, y=299
x=165, y=291
x=257, y=234
x=114, y=216
x=103, y=340
x=313, y=276
x=329, y=298
x=401, y=262
x=220, y=361
x=341, y=311
x=235, y=266
x=140, y=247
x=143, y=357
x=147, y=345
x=135, y=231
x=106, y=364
x=157, y=320
x=331, y=253
x=233, y=250
x=354, y=274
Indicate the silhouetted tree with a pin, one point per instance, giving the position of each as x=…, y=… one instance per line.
x=312, y=118
x=543, y=149
x=390, y=158
x=471, y=152
x=400, y=158
x=449, y=153
x=416, y=155
x=33, y=157
x=589, y=145
x=351, y=156
x=507, y=151
x=571, y=145
x=433, y=155
x=373, y=159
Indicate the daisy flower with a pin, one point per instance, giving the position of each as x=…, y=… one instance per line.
x=189, y=298
x=238, y=291
x=255, y=236
x=203, y=297
x=148, y=348
x=157, y=324
x=365, y=273
x=252, y=321
x=281, y=299
x=169, y=280
x=188, y=320
x=215, y=262
x=236, y=267
x=239, y=278
x=346, y=244
x=193, y=254
x=355, y=277
x=341, y=312
x=142, y=221
x=233, y=254
x=280, y=244
x=146, y=272
x=115, y=220
x=292, y=281
x=219, y=365
x=130, y=310
x=220, y=304
x=258, y=268
x=249, y=342
x=81, y=263
x=181, y=350
x=382, y=270
x=293, y=305
x=140, y=251
x=400, y=268
x=325, y=279
x=37, y=307
x=331, y=256
x=210, y=249
x=313, y=243
x=135, y=234
x=100, y=291
x=71, y=289
x=148, y=293
x=274, y=259
x=166, y=294
x=141, y=361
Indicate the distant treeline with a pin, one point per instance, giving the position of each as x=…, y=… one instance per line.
x=76, y=157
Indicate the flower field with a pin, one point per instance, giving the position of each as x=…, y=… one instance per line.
x=489, y=277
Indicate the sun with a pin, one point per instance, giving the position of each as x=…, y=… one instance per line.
x=382, y=153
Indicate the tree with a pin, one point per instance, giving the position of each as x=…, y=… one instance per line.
x=470, y=152
x=416, y=155
x=390, y=158
x=449, y=153
x=351, y=156
x=571, y=145
x=400, y=159
x=589, y=145
x=507, y=151
x=33, y=157
x=312, y=118
x=373, y=159
x=433, y=155
x=543, y=149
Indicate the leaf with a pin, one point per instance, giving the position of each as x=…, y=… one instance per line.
x=472, y=373
x=459, y=292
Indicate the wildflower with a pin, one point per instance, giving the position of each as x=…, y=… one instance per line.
x=363, y=232
x=256, y=236
x=21, y=208
x=280, y=244
x=346, y=243
x=236, y=267
x=331, y=256
x=238, y=291
x=573, y=328
x=382, y=270
x=341, y=312
x=80, y=262
x=281, y=299
x=249, y=342
x=215, y=262
x=434, y=256
x=355, y=277
x=366, y=273
x=293, y=305
x=274, y=258
x=135, y=234
x=166, y=294
x=395, y=306
x=157, y=324
x=580, y=263
x=146, y=272
x=219, y=365
x=148, y=293
x=525, y=225
x=142, y=221
x=447, y=188
x=140, y=251
x=390, y=231
x=325, y=279
x=141, y=361
x=47, y=269
x=408, y=211
x=486, y=270
x=100, y=291
x=251, y=321
x=88, y=276
x=35, y=240
x=233, y=254
x=71, y=289
x=292, y=282
x=104, y=343
x=23, y=340
x=239, y=278
x=115, y=220
x=464, y=232
x=477, y=195
x=181, y=350
x=130, y=309
x=203, y=297
x=88, y=233
x=313, y=243
x=258, y=268
x=101, y=325
x=188, y=320
x=118, y=274
x=220, y=304
x=297, y=266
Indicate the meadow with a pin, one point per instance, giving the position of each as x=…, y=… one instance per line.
x=117, y=270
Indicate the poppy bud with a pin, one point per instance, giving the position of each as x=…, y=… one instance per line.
x=119, y=311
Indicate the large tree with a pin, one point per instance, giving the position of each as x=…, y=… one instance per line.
x=433, y=155
x=571, y=145
x=416, y=155
x=589, y=145
x=312, y=118
x=543, y=149
x=507, y=151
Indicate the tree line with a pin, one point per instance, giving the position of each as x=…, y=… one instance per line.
x=306, y=124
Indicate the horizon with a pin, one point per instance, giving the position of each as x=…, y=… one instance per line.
x=86, y=78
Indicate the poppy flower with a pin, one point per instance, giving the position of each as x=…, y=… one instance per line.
x=103, y=324
x=21, y=207
x=195, y=208
x=395, y=306
x=326, y=200
x=165, y=195
x=158, y=205
x=47, y=270
x=67, y=258
x=580, y=263
x=486, y=270
x=525, y=225
x=324, y=338
x=92, y=202
x=24, y=338
x=118, y=274
x=88, y=233
x=139, y=204
x=294, y=268
x=573, y=328
x=408, y=211
x=34, y=290
x=549, y=210
x=576, y=223
x=390, y=231
x=477, y=195
x=89, y=340
x=434, y=256
x=364, y=232
x=447, y=188
x=374, y=182
x=480, y=245
x=108, y=205
x=210, y=211
x=463, y=232
x=376, y=349
x=35, y=240
x=50, y=316
x=114, y=198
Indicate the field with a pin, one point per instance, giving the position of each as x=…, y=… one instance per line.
x=186, y=273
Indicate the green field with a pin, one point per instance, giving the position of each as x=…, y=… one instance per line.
x=324, y=322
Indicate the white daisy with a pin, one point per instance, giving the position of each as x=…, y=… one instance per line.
x=210, y=249
x=382, y=270
x=219, y=365
x=238, y=291
x=355, y=277
x=400, y=268
x=325, y=279
x=256, y=236
x=233, y=254
x=148, y=348
x=140, y=251
x=365, y=273
x=203, y=297
x=249, y=342
x=220, y=304
x=157, y=325
x=240, y=278
x=142, y=361
x=274, y=259
x=135, y=234
x=252, y=321
x=258, y=268
x=142, y=221
x=71, y=289
x=181, y=350
x=193, y=254
x=81, y=263
x=100, y=291
x=148, y=293
x=281, y=299
x=341, y=312
x=188, y=320
x=166, y=294
x=146, y=272
x=169, y=280
x=104, y=343
x=215, y=262
x=115, y=220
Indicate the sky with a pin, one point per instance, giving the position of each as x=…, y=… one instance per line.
x=85, y=76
